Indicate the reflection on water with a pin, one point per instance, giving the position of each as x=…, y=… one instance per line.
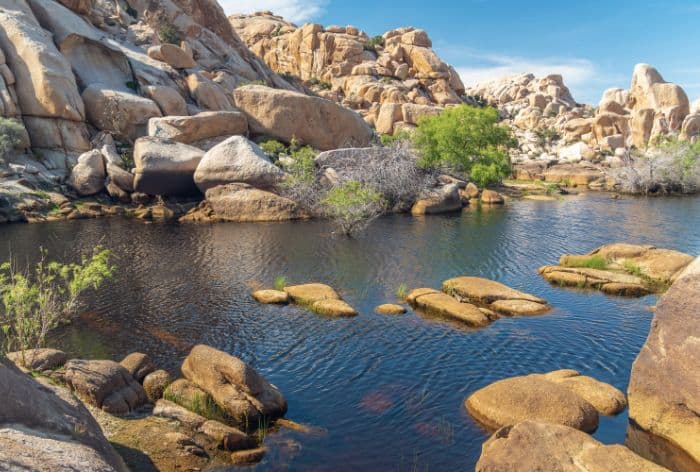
x=387, y=389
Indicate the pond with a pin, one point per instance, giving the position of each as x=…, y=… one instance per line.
x=384, y=392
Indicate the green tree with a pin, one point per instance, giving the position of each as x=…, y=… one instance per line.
x=35, y=302
x=466, y=139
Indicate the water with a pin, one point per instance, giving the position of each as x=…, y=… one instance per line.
x=387, y=392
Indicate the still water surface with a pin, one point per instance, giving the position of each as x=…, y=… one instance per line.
x=385, y=392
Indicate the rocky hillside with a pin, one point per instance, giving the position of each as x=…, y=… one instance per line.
x=391, y=80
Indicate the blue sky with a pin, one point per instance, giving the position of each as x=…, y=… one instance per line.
x=594, y=44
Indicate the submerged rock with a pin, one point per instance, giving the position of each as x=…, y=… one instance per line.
x=665, y=381
x=442, y=200
x=532, y=446
x=242, y=203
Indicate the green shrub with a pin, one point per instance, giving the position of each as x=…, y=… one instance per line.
x=304, y=166
x=388, y=140
x=11, y=135
x=352, y=205
x=279, y=283
x=373, y=43
x=465, y=139
x=314, y=82
x=273, y=148
x=402, y=292
x=169, y=34
x=35, y=302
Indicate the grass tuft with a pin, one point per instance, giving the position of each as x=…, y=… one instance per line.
x=279, y=283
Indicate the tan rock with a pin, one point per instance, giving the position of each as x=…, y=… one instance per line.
x=208, y=94
x=139, y=365
x=88, y=175
x=271, y=297
x=199, y=127
x=664, y=406
x=38, y=360
x=122, y=113
x=235, y=386
x=531, y=446
x=155, y=383
x=243, y=203
x=495, y=296
x=530, y=398
x=443, y=200
x=249, y=456
x=440, y=304
x=165, y=167
x=314, y=121
x=390, y=309
x=167, y=98
x=236, y=160
x=491, y=197
x=173, y=55
x=604, y=397
x=308, y=294
x=335, y=308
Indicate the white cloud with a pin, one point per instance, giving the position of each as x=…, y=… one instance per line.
x=576, y=72
x=297, y=11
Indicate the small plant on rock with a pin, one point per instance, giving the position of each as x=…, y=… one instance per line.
x=279, y=283
x=169, y=34
x=402, y=292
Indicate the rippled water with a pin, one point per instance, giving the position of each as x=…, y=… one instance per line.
x=386, y=392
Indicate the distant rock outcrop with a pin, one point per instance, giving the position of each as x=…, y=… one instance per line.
x=374, y=76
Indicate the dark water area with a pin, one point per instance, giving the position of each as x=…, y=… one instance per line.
x=385, y=392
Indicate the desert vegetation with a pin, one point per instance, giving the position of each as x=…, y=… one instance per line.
x=671, y=166
x=35, y=301
x=465, y=139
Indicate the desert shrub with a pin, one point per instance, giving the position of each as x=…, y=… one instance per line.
x=373, y=43
x=169, y=34
x=352, y=205
x=279, y=283
x=273, y=148
x=395, y=174
x=11, y=135
x=301, y=184
x=546, y=136
x=671, y=166
x=36, y=301
x=463, y=139
x=314, y=82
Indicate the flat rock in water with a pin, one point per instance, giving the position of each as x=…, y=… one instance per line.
x=440, y=304
x=271, y=297
x=390, y=309
x=320, y=298
x=495, y=296
x=619, y=269
x=531, y=446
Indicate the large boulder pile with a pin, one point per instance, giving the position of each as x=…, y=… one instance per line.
x=381, y=77
x=664, y=385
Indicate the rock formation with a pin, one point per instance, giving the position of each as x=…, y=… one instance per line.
x=390, y=80
x=664, y=385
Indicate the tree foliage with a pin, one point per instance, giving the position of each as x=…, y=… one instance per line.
x=352, y=205
x=11, y=135
x=466, y=139
x=36, y=301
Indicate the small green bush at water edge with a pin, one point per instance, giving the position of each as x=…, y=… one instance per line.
x=279, y=283
x=36, y=301
x=402, y=292
x=352, y=205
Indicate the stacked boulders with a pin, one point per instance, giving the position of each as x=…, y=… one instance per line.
x=391, y=80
